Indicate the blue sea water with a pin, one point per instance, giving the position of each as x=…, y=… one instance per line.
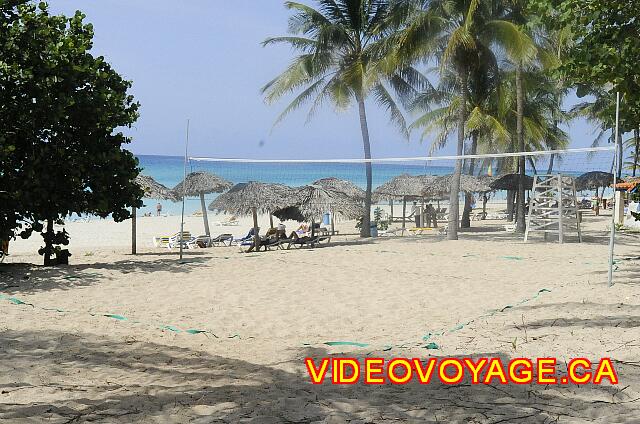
x=169, y=170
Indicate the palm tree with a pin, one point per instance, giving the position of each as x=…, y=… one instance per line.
x=449, y=29
x=345, y=55
x=633, y=145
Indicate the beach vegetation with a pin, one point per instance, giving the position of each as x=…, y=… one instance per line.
x=345, y=56
x=62, y=114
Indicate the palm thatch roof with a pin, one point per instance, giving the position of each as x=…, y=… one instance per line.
x=243, y=197
x=344, y=186
x=198, y=183
x=291, y=213
x=468, y=184
x=314, y=200
x=511, y=181
x=404, y=185
x=154, y=190
x=593, y=180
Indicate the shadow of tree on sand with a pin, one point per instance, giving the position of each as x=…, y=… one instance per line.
x=63, y=378
x=29, y=278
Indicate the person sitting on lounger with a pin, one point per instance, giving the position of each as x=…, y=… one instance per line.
x=248, y=239
x=302, y=231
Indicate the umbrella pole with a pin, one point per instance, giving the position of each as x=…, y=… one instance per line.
x=391, y=209
x=205, y=216
x=256, y=236
x=270, y=220
x=404, y=213
x=133, y=230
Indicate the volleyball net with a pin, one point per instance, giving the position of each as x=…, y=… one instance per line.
x=495, y=170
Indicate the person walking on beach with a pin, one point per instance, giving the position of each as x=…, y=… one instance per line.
x=416, y=211
x=158, y=209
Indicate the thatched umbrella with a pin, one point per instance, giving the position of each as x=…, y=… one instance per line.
x=290, y=213
x=404, y=187
x=510, y=182
x=344, y=186
x=253, y=197
x=312, y=201
x=199, y=184
x=468, y=184
x=593, y=181
x=152, y=190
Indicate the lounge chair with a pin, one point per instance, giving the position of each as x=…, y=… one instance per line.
x=204, y=242
x=223, y=239
x=174, y=241
x=420, y=230
x=231, y=221
x=318, y=237
x=510, y=228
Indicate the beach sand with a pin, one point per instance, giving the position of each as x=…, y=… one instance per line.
x=62, y=360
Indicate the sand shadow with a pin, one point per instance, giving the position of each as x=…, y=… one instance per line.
x=61, y=377
x=30, y=278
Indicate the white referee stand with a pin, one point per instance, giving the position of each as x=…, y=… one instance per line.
x=554, y=207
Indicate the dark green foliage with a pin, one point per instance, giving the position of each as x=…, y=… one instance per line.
x=605, y=50
x=61, y=114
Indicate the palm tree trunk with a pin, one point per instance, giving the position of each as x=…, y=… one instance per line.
x=466, y=212
x=550, y=168
x=520, y=213
x=205, y=215
x=636, y=152
x=365, y=231
x=454, y=197
x=620, y=157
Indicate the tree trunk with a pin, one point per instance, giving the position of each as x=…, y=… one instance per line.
x=485, y=199
x=48, y=243
x=520, y=213
x=205, y=215
x=365, y=231
x=134, y=241
x=256, y=230
x=620, y=157
x=636, y=152
x=510, y=196
x=466, y=212
x=551, y=160
x=454, y=196
x=404, y=214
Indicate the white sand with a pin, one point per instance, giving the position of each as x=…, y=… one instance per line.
x=269, y=311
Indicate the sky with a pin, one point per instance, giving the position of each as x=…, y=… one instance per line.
x=202, y=61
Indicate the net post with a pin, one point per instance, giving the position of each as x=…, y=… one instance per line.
x=616, y=165
x=184, y=190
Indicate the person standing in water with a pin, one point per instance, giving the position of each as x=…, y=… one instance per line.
x=158, y=209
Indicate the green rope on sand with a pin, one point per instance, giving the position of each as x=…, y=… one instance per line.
x=14, y=300
x=356, y=344
x=117, y=317
x=513, y=258
x=114, y=316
